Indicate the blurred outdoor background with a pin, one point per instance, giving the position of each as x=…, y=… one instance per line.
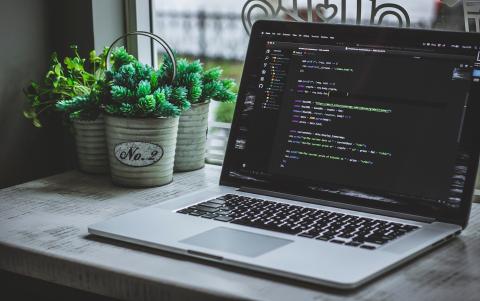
x=212, y=30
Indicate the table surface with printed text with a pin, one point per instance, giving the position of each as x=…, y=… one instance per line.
x=43, y=234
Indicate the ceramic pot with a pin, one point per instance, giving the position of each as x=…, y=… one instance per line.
x=141, y=151
x=91, y=145
x=192, y=138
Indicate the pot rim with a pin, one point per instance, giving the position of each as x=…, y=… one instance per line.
x=200, y=104
x=142, y=118
x=99, y=117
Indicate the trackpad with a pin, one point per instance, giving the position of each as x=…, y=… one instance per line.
x=236, y=241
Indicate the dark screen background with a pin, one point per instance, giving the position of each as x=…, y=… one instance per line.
x=416, y=138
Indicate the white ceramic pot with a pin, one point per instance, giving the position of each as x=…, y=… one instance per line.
x=141, y=150
x=91, y=145
x=192, y=138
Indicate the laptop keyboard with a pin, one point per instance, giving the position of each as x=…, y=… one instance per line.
x=334, y=227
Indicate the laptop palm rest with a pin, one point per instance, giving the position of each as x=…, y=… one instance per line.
x=236, y=241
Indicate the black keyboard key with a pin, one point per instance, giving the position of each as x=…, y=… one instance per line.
x=324, y=237
x=328, y=233
x=241, y=221
x=223, y=218
x=375, y=240
x=387, y=237
x=353, y=244
x=228, y=207
x=286, y=230
x=409, y=227
x=307, y=235
x=346, y=236
x=300, y=228
x=360, y=239
x=217, y=201
x=211, y=204
x=196, y=213
x=210, y=215
x=337, y=241
x=367, y=247
x=205, y=209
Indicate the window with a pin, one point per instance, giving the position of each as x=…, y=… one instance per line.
x=216, y=31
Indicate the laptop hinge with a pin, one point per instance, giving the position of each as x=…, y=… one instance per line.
x=338, y=204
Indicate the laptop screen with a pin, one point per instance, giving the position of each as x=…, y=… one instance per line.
x=369, y=116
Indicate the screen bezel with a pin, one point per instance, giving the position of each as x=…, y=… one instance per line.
x=387, y=35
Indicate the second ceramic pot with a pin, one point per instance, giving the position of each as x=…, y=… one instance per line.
x=192, y=138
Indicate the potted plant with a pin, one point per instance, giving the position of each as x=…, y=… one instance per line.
x=75, y=88
x=202, y=86
x=141, y=121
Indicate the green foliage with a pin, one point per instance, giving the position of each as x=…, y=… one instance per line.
x=73, y=87
x=120, y=57
x=213, y=74
x=143, y=89
x=138, y=90
x=202, y=85
x=148, y=104
x=216, y=88
x=177, y=96
x=81, y=88
x=74, y=104
x=188, y=76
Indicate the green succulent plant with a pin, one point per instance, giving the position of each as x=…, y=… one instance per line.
x=216, y=88
x=83, y=89
x=74, y=87
x=202, y=85
x=138, y=90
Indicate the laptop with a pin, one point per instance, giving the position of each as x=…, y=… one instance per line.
x=352, y=150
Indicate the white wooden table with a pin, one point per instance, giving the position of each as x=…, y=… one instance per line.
x=43, y=234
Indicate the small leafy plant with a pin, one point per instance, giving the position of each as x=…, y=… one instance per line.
x=74, y=87
x=138, y=90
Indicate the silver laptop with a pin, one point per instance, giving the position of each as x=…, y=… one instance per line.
x=353, y=149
